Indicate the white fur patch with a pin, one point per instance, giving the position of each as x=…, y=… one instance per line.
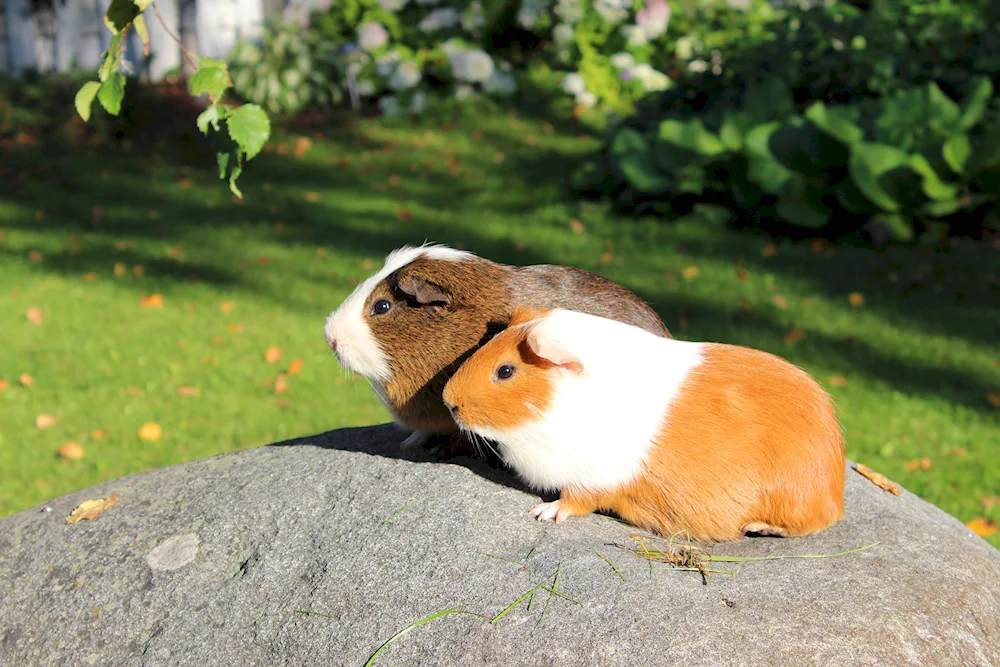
x=598, y=430
x=357, y=348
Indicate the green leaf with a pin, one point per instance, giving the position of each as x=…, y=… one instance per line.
x=85, y=99
x=140, y=28
x=142, y=4
x=932, y=184
x=917, y=119
x=940, y=209
x=769, y=100
x=956, y=151
x=120, y=13
x=976, y=101
x=212, y=79
x=987, y=153
x=838, y=122
x=900, y=226
x=730, y=134
x=632, y=157
x=869, y=163
x=799, y=212
x=110, y=63
x=769, y=174
x=111, y=93
x=209, y=116
x=230, y=165
x=250, y=128
x=691, y=135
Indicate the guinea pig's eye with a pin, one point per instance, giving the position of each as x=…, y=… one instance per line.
x=381, y=307
x=505, y=371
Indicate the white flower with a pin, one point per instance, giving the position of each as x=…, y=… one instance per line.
x=685, y=48
x=366, y=88
x=529, y=13
x=500, y=83
x=612, y=11
x=653, y=19
x=698, y=66
x=407, y=75
x=389, y=105
x=622, y=60
x=392, y=5
x=439, y=19
x=586, y=99
x=563, y=34
x=634, y=35
x=464, y=92
x=386, y=63
x=569, y=11
x=573, y=84
x=474, y=65
x=418, y=102
x=451, y=47
x=371, y=36
x=650, y=78
x=474, y=17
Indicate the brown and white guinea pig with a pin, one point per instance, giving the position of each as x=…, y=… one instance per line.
x=717, y=440
x=411, y=324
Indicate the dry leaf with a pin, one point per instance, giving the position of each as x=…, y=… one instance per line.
x=994, y=399
x=302, y=144
x=395, y=180
x=769, y=250
x=780, y=301
x=403, y=215
x=150, y=432
x=878, y=478
x=745, y=304
x=34, y=256
x=234, y=328
x=857, y=299
x=72, y=451
x=837, y=381
x=794, y=336
x=3, y=385
x=35, y=315
x=151, y=301
x=123, y=245
x=989, y=502
x=120, y=269
x=367, y=264
x=91, y=509
x=818, y=244
x=320, y=252
x=690, y=272
x=982, y=526
x=45, y=421
x=98, y=434
x=312, y=196
x=498, y=158
x=742, y=275
x=90, y=277
x=26, y=380
x=187, y=392
x=576, y=226
x=272, y=355
x=606, y=258
x=806, y=302
x=185, y=182
x=924, y=463
x=957, y=451
x=137, y=270
x=280, y=383
x=176, y=252
x=295, y=367
x=135, y=391
x=226, y=306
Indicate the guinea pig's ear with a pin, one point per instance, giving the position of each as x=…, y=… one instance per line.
x=525, y=314
x=550, y=349
x=422, y=290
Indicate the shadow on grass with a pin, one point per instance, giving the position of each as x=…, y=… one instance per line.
x=366, y=208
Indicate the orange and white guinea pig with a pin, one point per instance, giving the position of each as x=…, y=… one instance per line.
x=672, y=436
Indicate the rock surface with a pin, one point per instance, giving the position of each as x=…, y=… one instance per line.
x=215, y=562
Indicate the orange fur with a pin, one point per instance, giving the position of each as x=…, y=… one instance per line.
x=751, y=443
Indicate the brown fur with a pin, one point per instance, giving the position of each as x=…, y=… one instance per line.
x=427, y=342
x=750, y=444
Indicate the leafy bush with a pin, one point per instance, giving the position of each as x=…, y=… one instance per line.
x=907, y=160
x=287, y=69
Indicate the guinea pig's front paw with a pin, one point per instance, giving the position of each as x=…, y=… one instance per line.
x=550, y=511
x=416, y=439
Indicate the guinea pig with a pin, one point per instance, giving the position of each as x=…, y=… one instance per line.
x=716, y=440
x=411, y=324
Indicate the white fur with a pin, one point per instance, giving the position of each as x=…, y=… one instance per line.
x=357, y=348
x=598, y=430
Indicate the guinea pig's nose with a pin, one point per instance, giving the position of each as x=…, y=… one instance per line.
x=453, y=409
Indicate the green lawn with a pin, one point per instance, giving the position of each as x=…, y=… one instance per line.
x=919, y=356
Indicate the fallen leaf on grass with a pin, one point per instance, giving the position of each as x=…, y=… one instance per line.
x=794, y=336
x=994, y=399
x=745, y=304
x=150, y=432
x=235, y=328
x=176, y=252
x=35, y=315
x=3, y=385
x=91, y=509
x=837, y=381
x=690, y=272
x=90, y=277
x=403, y=215
x=924, y=463
x=742, y=275
x=98, y=434
x=226, y=306
x=187, y=392
x=184, y=182
x=134, y=391
x=576, y=226
x=295, y=367
x=395, y=180
x=151, y=301
x=769, y=250
x=35, y=256
x=272, y=355
x=780, y=301
x=857, y=299
x=280, y=383
x=312, y=196
x=72, y=451
x=957, y=451
x=44, y=421
x=982, y=526
x=606, y=258
x=120, y=269
x=877, y=478
x=367, y=264
x=26, y=380
x=989, y=502
x=320, y=252
x=302, y=144
x=137, y=270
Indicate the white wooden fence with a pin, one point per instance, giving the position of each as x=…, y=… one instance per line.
x=60, y=35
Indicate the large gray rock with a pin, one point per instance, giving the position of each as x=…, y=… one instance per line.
x=212, y=563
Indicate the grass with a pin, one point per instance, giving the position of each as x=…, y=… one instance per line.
x=910, y=363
